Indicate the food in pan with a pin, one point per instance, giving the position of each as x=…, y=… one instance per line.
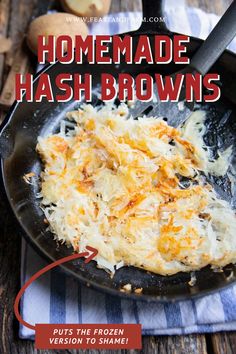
x=136, y=190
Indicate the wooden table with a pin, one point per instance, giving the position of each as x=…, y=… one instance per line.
x=14, y=17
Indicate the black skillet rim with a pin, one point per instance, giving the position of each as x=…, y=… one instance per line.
x=90, y=283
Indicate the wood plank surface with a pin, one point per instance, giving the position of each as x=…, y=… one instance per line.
x=4, y=19
x=14, y=17
x=21, y=14
x=224, y=343
x=18, y=59
x=19, y=65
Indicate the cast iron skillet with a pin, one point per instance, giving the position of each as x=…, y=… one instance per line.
x=27, y=120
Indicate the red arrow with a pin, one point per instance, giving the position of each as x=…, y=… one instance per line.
x=93, y=254
x=88, y=255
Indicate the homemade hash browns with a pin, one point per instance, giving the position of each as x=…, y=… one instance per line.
x=136, y=191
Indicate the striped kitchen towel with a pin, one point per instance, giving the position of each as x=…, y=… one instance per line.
x=57, y=298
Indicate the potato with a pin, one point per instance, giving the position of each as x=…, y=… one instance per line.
x=55, y=24
x=87, y=8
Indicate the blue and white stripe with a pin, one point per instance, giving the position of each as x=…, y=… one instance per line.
x=56, y=298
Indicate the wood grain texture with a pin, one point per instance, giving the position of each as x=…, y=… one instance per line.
x=10, y=240
x=18, y=59
x=20, y=65
x=191, y=344
x=224, y=343
x=21, y=14
x=4, y=18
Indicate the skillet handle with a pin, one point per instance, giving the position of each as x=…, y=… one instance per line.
x=216, y=42
x=153, y=17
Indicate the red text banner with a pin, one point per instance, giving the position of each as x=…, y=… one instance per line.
x=88, y=336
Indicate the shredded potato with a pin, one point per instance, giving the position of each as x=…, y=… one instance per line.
x=117, y=184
